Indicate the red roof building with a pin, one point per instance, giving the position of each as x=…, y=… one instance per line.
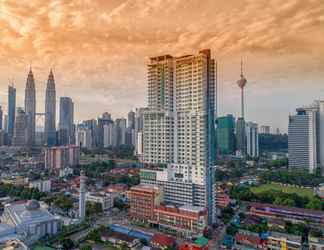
x=162, y=241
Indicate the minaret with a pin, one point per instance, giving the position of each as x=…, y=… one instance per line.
x=50, y=111
x=30, y=108
x=241, y=83
x=82, y=201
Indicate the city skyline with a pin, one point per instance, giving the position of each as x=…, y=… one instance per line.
x=278, y=65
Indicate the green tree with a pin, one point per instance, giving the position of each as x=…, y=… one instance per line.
x=315, y=203
x=67, y=244
x=86, y=247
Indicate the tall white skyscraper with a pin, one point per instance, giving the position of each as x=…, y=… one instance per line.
x=252, y=139
x=179, y=125
x=305, y=135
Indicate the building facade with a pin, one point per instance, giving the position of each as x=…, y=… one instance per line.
x=20, y=133
x=57, y=158
x=184, y=221
x=142, y=201
x=252, y=139
x=305, y=135
x=83, y=136
x=66, y=122
x=50, y=111
x=240, y=137
x=225, y=135
x=179, y=125
x=265, y=129
x=11, y=111
x=30, y=108
x=31, y=220
x=104, y=124
x=106, y=200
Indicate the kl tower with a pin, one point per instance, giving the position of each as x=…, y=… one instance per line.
x=242, y=83
x=240, y=123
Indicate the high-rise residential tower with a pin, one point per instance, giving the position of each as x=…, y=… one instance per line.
x=305, y=134
x=66, y=122
x=11, y=111
x=179, y=126
x=50, y=111
x=30, y=108
x=252, y=139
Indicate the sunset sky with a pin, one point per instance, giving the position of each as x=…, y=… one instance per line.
x=99, y=50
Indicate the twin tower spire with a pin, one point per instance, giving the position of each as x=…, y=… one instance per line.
x=50, y=109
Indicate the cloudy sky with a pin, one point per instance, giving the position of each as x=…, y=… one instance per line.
x=99, y=50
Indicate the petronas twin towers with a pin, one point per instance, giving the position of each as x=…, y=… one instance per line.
x=50, y=110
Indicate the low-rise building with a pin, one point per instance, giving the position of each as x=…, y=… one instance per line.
x=287, y=213
x=30, y=219
x=222, y=199
x=162, y=241
x=283, y=241
x=246, y=239
x=184, y=221
x=119, y=239
x=41, y=185
x=106, y=200
x=142, y=200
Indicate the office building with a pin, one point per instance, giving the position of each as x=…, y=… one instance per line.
x=83, y=136
x=305, y=135
x=252, y=139
x=265, y=129
x=131, y=120
x=20, y=134
x=50, y=111
x=57, y=158
x=11, y=111
x=103, y=121
x=120, y=131
x=109, y=135
x=93, y=126
x=30, y=108
x=225, y=135
x=179, y=125
x=66, y=122
x=240, y=137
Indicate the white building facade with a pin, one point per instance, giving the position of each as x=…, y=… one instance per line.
x=252, y=139
x=179, y=125
x=305, y=135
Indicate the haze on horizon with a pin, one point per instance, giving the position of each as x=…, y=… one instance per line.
x=99, y=50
